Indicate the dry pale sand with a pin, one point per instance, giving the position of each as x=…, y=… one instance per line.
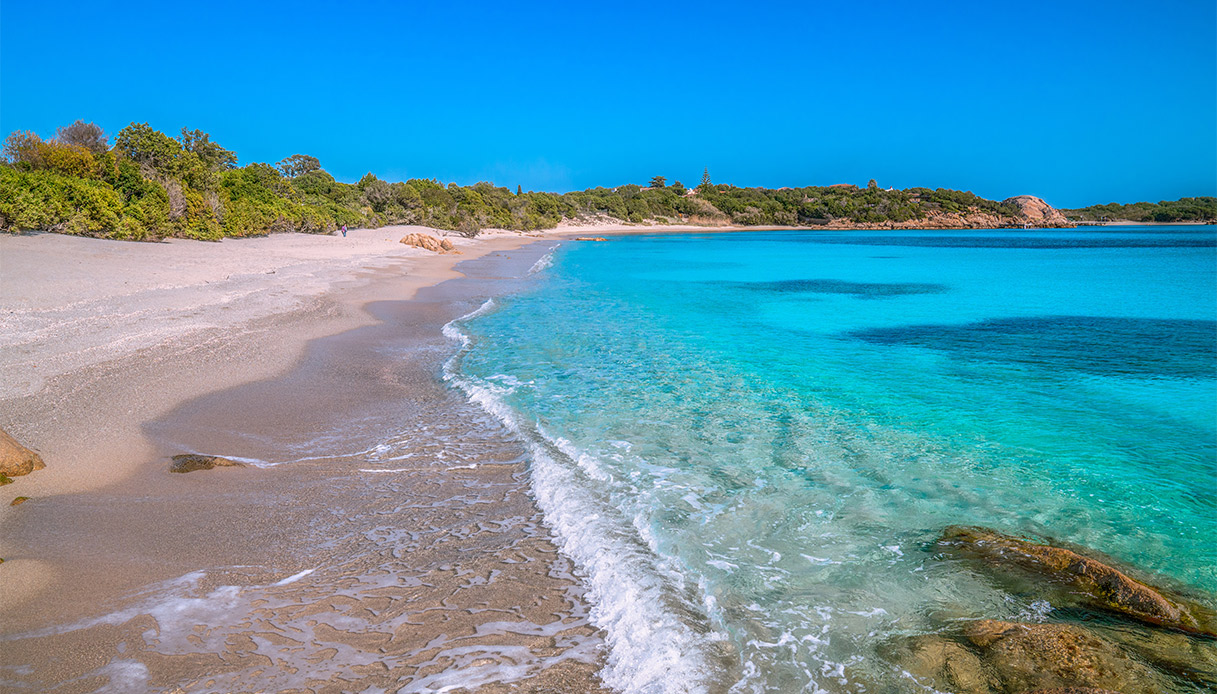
x=69, y=305
x=98, y=337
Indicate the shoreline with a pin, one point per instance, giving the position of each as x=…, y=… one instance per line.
x=83, y=326
x=86, y=415
x=148, y=545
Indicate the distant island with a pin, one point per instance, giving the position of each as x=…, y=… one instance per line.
x=149, y=186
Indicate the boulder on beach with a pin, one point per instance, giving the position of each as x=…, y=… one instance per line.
x=15, y=459
x=190, y=462
x=1092, y=582
x=1041, y=656
x=430, y=243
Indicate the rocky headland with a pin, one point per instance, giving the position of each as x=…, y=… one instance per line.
x=1033, y=213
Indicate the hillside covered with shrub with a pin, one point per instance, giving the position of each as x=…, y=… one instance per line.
x=147, y=185
x=1203, y=209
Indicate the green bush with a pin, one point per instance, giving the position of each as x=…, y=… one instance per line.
x=56, y=202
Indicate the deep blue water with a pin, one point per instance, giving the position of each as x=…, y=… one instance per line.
x=749, y=442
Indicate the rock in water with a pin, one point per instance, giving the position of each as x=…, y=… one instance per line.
x=1037, y=213
x=1031, y=656
x=1095, y=583
x=1182, y=656
x=191, y=462
x=1072, y=690
x=946, y=663
x=15, y=459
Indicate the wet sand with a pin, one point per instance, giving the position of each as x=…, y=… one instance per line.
x=387, y=540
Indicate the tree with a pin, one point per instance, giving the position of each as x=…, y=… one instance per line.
x=86, y=135
x=21, y=147
x=705, y=178
x=29, y=151
x=659, y=182
x=679, y=188
x=299, y=164
x=145, y=145
x=872, y=185
x=519, y=190
x=406, y=196
x=378, y=193
x=213, y=156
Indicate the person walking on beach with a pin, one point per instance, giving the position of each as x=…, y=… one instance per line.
x=344, y=231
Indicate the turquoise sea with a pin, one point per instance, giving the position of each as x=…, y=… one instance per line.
x=749, y=442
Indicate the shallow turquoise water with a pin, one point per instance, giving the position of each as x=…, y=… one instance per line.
x=749, y=442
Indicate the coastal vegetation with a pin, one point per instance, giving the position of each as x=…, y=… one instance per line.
x=1202, y=209
x=148, y=185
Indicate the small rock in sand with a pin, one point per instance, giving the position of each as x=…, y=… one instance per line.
x=19, y=500
x=191, y=462
x=15, y=459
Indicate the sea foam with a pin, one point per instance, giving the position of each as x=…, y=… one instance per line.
x=653, y=649
x=543, y=262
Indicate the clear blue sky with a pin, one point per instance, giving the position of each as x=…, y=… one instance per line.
x=1078, y=102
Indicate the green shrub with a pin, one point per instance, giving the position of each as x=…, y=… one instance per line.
x=43, y=199
x=150, y=147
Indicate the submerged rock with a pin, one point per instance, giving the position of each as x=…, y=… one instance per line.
x=1074, y=690
x=1091, y=581
x=15, y=459
x=191, y=462
x=1027, y=657
x=1187, y=658
x=948, y=664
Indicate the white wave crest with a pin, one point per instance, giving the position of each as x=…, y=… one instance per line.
x=543, y=262
x=652, y=650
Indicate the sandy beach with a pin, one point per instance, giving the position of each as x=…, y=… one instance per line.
x=310, y=356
